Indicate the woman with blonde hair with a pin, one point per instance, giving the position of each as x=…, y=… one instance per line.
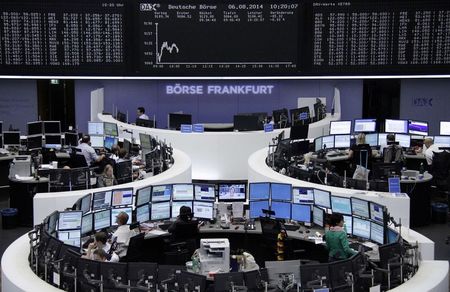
x=107, y=179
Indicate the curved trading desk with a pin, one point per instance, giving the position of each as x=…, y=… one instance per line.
x=218, y=155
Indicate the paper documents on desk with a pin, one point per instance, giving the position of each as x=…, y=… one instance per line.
x=158, y=232
x=18, y=177
x=317, y=239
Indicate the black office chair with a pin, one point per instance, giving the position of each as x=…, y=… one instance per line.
x=59, y=180
x=80, y=178
x=393, y=153
x=123, y=171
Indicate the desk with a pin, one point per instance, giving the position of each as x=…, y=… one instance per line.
x=4, y=172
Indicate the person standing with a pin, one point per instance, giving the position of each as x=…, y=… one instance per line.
x=141, y=113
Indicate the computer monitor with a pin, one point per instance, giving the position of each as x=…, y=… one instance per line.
x=315, y=273
x=95, y=128
x=51, y=222
x=281, y=192
x=176, y=205
x=392, y=236
x=280, y=115
x=1, y=127
x=205, y=192
x=122, y=197
x=52, y=127
x=121, y=117
x=109, y=142
x=256, y=208
x=145, y=123
x=282, y=209
x=322, y=198
x=116, y=211
x=327, y=142
x=203, y=210
x=318, y=144
x=101, y=200
x=348, y=222
x=87, y=224
x=85, y=203
x=182, y=192
x=97, y=141
x=299, y=115
x=69, y=220
x=283, y=273
x=302, y=195
x=102, y=219
x=176, y=120
x=161, y=193
x=53, y=141
x=318, y=216
x=35, y=128
x=340, y=127
x=382, y=139
x=1, y=141
x=403, y=140
x=342, y=141
x=71, y=139
x=232, y=192
x=110, y=129
x=438, y=140
x=360, y=207
x=70, y=237
x=396, y=126
x=143, y=213
x=145, y=141
x=444, y=128
x=377, y=233
x=341, y=205
x=372, y=139
x=34, y=143
x=340, y=272
x=247, y=123
x=301, y=213
x=143, y=195
x=299, y=132
x=259, y=191
x=361, y=227
x=160, y=211
x=364, y=125
x=377, y=212
x=418, y=128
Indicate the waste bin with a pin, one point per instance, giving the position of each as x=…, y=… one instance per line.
x=9, y=218
x=439, y=213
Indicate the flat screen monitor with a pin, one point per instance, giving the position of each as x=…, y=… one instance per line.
x=71, y=139
x=340, y=127
x=302, y=195
x=392, y=236
x=256, y=208
x=327, y=142
x=348, y=222
x=53, y=141
x=259, y=191
x=300, y=114
x=176, y=120
x=203, y=210
x=87, y=224
x=110, y=129
x=247, y=123
x=145, y=141
x=34, y=142
x=377, y=233
x=318, y=216
x=102, y=219
x=182, y=192
x=322, y=198
x=101, y=200
x=342, y=141
x=121, y=117
x=97, y=141
x=341, y=205
x=52, y=127
x=51, y=223
x=377, y=212
x=281, y=192
x=176, y=205
x=382, y=139
x=438, y=140
x=205, y=192
x=71, y=237
x=403, y=140
x=1, y=141
x=418, y=128
x=282, y=210
x=232, y=192
x=360, y=207
x=372, y=139
x=116, y=211
x=143, y=213
x=122, y=197
x=69, y=220
x=318, y=144
x=299, y=132
x=361, y=227
x=95, y=128
x=109, y=142
x=301, y=213
x=35, y=128
x=143, y=196
x=145, y=123
x=161, y=193
x=85, y=204
x=396, y=126
x=365, y=125
x=1, y=127
x=444, y=128
x=160, y=211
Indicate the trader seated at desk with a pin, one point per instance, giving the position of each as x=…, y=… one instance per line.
x=429, y=149
x=121, y=238
x=336, y=240
x=360, y=153
x=184, y=227
x=88, y=152
x=100, y=243
x=393, y=152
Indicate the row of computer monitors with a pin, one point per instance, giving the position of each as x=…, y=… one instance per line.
x=373, y=139
x=390, y=126
x=12, y=138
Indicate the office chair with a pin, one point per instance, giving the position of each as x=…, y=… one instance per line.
x=393, y=153
x=136, y=249
x=270, y=230
x=80, y=178
x=59, y=180
x=123, y=171
x=177, y=253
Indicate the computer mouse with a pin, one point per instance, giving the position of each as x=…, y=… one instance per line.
x=300, y=231
x=307, y=231
x=236, y=228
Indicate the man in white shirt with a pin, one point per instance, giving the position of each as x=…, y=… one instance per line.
x=89, y=152
x=430, y=148
x=141, y=113
x=123, y=234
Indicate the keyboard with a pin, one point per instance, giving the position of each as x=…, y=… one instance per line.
x=291, y=227
x=359, y=247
